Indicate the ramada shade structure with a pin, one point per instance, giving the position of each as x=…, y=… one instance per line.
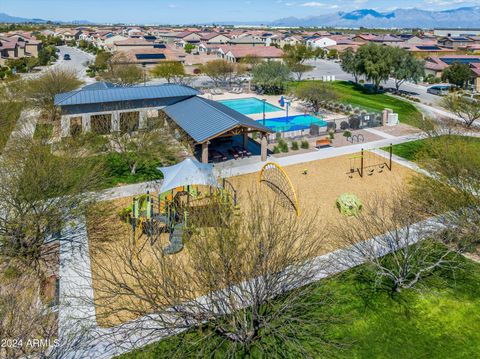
x=201, y=119
x=187, y=172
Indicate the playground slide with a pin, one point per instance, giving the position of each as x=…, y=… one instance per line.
x=176, y=240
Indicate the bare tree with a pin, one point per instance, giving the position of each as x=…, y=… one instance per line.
x=397, y=244
x=39, y=191
x=242, y=281
x=222, y=72
x=28, y=328
x=40, y=92
x=468, y=109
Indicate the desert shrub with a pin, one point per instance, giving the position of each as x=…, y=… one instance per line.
x=304, y=144
x=295, y=145
x=344, y=125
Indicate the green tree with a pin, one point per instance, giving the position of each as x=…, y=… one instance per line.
x=46, y=55
x=101, y=60
x=295, y=57
x=350, y=63
x=168, y=70
x=405, y=67
x=315, y=94
x=122, y=71
x=271, y=76
x=297, y=54
x=375, y=62
x=251, y=61
x=221, y=72
x=332, y=54
x=189, y=48
x=457, y=74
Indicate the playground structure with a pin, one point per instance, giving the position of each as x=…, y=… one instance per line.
x=189, y=188
x=348, y=204
x=367, y=162
x=274, y=176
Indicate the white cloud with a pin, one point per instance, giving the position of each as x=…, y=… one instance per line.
x=313, y=4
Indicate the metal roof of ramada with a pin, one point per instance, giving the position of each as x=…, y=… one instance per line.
x=91, y=96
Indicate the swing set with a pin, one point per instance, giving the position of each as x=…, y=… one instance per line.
x=370, y=161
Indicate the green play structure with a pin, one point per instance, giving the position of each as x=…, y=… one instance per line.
x=348, y=204
x=188, y=189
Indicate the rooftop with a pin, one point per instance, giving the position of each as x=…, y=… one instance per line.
x=203, y=119
x=97, y=94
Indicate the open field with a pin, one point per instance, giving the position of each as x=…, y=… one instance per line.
x=357, y=96
x=317, y=191
x=441, y=322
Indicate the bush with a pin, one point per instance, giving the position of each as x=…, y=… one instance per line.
x=354, y=122
x=347, y=134
x=282, y=144
x=276, y=150
x=305, y=145
x=344, y=125
x=197, y=71
x=295, y=145
x=331, y=134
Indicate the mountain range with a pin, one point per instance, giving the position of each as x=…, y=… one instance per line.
x=464, y=17
x=17, y=20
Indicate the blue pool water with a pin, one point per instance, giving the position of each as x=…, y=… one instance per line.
x=293, y=123
x=250, y=106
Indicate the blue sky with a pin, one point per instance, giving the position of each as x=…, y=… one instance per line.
x=193, y=11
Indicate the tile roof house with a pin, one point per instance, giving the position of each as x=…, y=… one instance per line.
x=236, y=53
x=436, y=65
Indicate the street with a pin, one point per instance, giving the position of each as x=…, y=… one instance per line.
x=78, y=63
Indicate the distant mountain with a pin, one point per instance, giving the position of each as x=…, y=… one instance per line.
x=17, y=20
x=465, y=17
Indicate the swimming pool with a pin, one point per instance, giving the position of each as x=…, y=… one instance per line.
x=293, y=123
x=250, y=106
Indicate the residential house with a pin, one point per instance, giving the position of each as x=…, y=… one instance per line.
x=239, y=52
x=456, y=43
x=436, y=65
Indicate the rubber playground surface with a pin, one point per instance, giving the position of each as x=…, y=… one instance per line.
x=317, y=185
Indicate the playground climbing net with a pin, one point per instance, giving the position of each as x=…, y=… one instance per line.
x=275, y=177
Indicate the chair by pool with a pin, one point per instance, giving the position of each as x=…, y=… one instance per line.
x=250, y=106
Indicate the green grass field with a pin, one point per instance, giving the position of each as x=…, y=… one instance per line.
x=358, y=97
x=414, y=149
x=441, y=322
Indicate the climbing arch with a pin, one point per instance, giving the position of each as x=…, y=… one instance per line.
x=274, y=176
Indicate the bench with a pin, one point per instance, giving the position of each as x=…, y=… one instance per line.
x=322, y=143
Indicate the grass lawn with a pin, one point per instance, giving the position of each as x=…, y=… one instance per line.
x=8, y=118
x=439, y=323
x=412, y=150
x=358, y=97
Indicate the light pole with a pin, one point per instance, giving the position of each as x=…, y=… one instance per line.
x=264, y=102
x=287, y=103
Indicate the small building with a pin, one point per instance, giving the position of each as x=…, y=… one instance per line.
x=435, y=66
x=105, y=108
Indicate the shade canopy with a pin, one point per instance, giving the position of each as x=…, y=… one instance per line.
x=187, y=172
